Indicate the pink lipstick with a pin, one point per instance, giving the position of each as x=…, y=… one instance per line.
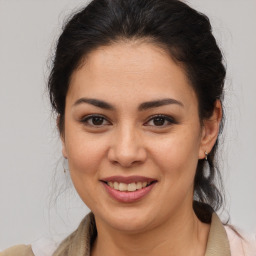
x=128, y=189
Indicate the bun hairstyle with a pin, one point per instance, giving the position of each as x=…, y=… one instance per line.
x=185, y=35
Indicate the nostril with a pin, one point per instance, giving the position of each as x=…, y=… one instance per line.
x=126, y=154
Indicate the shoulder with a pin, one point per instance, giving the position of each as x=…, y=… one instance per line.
x=41, y=247
x=18, y=250
x=240, y=243
x=44, y=247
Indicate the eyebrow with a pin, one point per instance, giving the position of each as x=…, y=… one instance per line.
x=158, y=103
x=143, y=106
x=95, y=102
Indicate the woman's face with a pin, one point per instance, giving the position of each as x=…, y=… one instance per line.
x=131, y=120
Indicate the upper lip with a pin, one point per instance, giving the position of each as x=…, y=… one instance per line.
x=128, y=179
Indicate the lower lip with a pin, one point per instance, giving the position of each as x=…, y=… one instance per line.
x=128, y=197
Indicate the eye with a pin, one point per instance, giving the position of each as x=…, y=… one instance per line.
x=160, y=121
x=95, y=120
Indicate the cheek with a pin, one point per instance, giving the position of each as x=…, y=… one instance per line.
x=85, y=152
x=177, y=154
x=85, y=157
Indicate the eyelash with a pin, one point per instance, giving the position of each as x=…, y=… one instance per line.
x=165, y=118
x=86, y=119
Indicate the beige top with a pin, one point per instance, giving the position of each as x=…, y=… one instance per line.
x=222, y=241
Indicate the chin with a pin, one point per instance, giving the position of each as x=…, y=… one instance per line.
x=129, y=220
x=131, y=225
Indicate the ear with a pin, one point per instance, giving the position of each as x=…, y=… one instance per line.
x=210, y=130
x=62, y=137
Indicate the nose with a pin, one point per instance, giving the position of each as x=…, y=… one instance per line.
x=127, y=148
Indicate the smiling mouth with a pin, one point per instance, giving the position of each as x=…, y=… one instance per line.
x=130, y=187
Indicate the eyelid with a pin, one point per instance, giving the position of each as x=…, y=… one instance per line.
x=168, y=118
x=85, y=119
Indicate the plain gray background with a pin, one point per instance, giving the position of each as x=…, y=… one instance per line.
x=31, y=170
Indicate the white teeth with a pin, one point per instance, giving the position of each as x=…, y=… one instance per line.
x=131, y=187
x=123, y=187
x=139, y=185
x=116, y=185
x=128, y=187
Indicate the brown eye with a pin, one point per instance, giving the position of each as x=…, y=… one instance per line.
x=95, y=120
x=160, y=121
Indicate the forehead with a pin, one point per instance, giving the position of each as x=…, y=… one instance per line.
x=141, y=71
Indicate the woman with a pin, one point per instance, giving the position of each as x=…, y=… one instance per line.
x=137, y=86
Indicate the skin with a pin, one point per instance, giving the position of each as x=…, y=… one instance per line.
x=128, y=142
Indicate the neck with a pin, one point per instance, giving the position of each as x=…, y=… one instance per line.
x=181, y=235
